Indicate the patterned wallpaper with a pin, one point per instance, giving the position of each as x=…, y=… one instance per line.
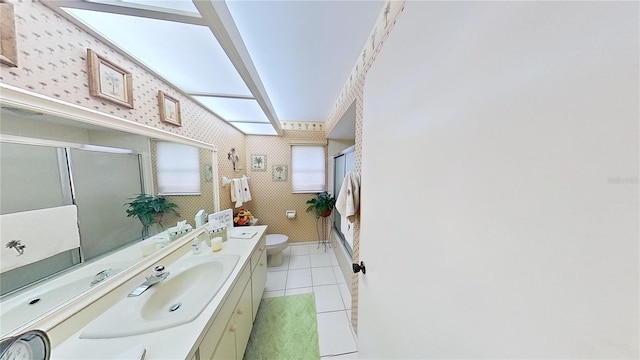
x=273, y=198
x=353, y=90
x=225, y=168
x=52, y=61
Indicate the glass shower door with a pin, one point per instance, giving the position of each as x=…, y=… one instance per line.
x=343, y=163
x=100, y=195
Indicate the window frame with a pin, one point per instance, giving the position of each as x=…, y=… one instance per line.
x=295, y=175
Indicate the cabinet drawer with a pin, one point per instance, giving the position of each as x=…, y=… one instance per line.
x=257, y=253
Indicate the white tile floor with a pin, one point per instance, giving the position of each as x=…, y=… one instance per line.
x=307, y=268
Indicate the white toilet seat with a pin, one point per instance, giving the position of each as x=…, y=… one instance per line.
x=275, y=244
x=276, y=239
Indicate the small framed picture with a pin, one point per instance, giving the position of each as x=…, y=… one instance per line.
x=169, y=109
x=8, y=48
x=279, y=172
x=108, y=81
x=258, y=162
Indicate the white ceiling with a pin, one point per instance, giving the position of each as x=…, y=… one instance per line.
x=253, y=63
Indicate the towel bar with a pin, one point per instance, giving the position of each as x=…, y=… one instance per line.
x=226, y=181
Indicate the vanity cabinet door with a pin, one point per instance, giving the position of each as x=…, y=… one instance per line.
x=243, y=321
x=226, y=349
x=257, y=253
x=236, y=335
x=258, y=281
x=220, y=341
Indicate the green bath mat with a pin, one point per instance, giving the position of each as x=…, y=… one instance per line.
x=285, y=328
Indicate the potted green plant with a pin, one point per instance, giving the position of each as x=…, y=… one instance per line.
x=323, y=204
x=149, y=209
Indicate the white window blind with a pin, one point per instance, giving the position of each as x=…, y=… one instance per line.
x=308, y=168
x=178, y=168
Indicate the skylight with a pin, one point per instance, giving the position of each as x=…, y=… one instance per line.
x=187, y=55
x=256, y=129
x=234, y=109
x=180, y=5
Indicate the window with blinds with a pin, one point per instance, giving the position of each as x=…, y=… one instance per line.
x=178, y=169
x=308, y=168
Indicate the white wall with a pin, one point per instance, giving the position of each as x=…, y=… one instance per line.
x=500, y=211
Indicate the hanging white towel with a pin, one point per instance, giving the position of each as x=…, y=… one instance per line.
x=348, y=201
x=37, y=235
x=236, y=186
x=246, y=193
x=232, y=188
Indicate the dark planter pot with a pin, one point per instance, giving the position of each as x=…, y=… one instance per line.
x=157, y=218
x=325, y=213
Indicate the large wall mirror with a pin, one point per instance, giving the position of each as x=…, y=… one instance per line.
x=55, y=156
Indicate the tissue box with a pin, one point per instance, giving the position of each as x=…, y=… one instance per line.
x=174, y=233
x=217, y=230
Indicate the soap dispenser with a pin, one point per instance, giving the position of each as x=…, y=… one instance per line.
x=195, y=246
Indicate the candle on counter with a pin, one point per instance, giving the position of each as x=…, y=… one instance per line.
x=216, y=244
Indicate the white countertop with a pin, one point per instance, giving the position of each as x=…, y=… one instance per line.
x=174, y=343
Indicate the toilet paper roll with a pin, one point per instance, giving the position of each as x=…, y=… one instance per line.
x=291, y=214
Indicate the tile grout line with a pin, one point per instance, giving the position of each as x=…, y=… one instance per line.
x=286, y=277
x=331, y=311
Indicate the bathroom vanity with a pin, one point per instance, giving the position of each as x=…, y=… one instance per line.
x=220, y=330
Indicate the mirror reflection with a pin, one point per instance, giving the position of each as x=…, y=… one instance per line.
x=64, y=186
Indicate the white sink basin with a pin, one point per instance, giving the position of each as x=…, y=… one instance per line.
x=37, y=301
x=179, y=299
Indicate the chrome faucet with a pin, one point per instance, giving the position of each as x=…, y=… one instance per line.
x=101, y=276
x=158, y=275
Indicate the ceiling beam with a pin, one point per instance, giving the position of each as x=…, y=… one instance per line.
x=218, y=95
x=218, y=18
x=131, y=9
x=247, y=122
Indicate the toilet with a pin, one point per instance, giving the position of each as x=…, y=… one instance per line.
x=276, y=243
